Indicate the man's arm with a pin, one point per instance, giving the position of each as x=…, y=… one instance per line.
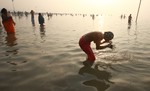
x=98, y=46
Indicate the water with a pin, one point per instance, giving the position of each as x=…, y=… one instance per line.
x=49, y=58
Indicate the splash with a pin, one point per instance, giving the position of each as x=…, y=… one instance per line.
x=114, y=57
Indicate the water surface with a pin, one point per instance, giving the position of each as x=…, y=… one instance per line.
x=49, y=58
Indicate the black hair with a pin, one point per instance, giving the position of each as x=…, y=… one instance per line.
x=108, y=35
x=4, y=11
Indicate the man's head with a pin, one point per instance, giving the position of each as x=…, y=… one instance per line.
x=39, y=14
x=108, y=36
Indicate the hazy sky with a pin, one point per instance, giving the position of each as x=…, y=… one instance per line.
x=79, y=6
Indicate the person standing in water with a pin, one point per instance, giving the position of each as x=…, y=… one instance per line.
x=7, y=21
x=41, y=19
x=96, y=37
x=129, y=19
x=32, y=17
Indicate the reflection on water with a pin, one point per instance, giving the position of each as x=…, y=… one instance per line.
x=42, y=31
x=99, y=85
x=11, y=40
x=129, y=25
x=132, y=30
x=103, y=77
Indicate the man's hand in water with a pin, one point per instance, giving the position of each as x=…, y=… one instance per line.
x=110, y=45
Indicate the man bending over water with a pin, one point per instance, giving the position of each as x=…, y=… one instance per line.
x=97, y=37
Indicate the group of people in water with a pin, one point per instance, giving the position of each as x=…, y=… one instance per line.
x=40, y=18
x=9, y=23
x=129, y=18
x=97, y=37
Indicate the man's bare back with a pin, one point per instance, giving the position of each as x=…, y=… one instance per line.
x=94, y=36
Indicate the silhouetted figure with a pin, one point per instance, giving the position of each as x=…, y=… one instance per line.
x=129, y=19
x=32, y=17
x=93, y=16
x=41, y=19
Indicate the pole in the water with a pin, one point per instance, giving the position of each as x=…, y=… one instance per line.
x=138, y=11
x=13, y=5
